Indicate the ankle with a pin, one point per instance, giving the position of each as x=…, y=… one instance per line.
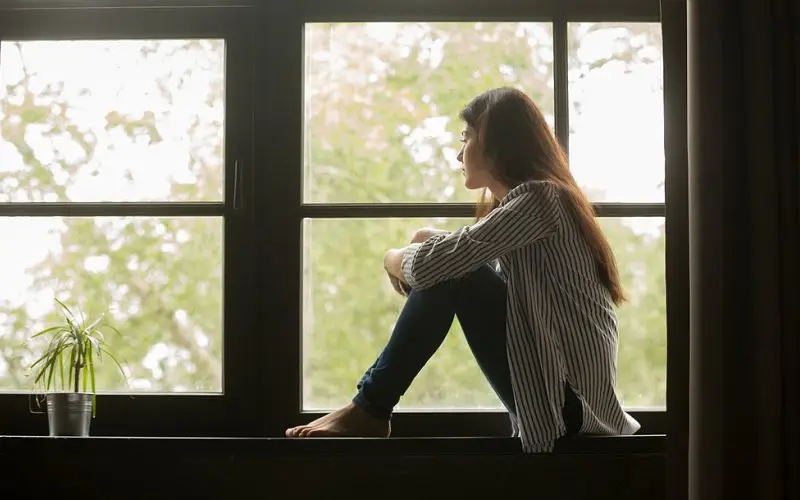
x=361, y=403
x=362, y=414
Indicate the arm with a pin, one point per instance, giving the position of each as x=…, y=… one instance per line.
x=530, y=216
x=422, y=235
x=392, y=260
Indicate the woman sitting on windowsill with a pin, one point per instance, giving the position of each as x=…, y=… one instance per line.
x=533, y=282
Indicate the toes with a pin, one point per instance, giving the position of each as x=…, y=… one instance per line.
x=319, y=432
x=307, y=431
x=294, y=431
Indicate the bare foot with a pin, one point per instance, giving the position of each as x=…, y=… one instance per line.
x=323, y=420
x=349, y=421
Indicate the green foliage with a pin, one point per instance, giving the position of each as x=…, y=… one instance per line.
x=381, y=126
x=68, y=360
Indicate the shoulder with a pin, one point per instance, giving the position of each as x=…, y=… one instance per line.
x=534, y=195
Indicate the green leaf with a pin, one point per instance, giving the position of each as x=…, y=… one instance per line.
x=48, y=368
x=40, y=359
x=106, y=325
x=61, y=367
x=88, y=358
x=103, y=348
x=72, y=354
x=51, y=366
x=82, y=324
x=93, y=341
x=66, y=309
x=90, y=367
x=41, y=373
x=46, y=331
x=91, y=327
x=98, y=334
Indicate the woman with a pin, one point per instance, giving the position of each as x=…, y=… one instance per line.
x=533, y=282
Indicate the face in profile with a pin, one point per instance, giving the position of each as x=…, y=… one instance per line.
x=474, y=165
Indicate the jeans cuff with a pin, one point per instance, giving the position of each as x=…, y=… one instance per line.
x=361, y=401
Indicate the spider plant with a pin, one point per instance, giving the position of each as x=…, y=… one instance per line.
x=68, y=362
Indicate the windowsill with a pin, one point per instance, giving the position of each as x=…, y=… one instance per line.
x=624, y=468
x=592, y=445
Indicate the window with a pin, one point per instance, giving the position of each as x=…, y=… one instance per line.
x=616, y=150
x=158, y=279
x=379, y=154
x=381, y=100
x=116, y=187
x=224, y=181
x=381, y=127
x=122, y=120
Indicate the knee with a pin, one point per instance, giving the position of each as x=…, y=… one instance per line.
x=481, y=280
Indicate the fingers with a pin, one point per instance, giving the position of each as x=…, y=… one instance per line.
x=397, y=285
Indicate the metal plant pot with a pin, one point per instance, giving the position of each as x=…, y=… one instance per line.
x=69, y=413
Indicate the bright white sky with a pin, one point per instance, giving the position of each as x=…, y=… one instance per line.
x=617, y=145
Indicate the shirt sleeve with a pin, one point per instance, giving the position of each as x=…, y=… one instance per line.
x=530, y=216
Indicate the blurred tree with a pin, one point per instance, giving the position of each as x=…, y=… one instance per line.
x=160, y=279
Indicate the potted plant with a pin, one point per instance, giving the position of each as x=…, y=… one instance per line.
x=66, y=371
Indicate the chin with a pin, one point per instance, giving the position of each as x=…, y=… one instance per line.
x=471, y=185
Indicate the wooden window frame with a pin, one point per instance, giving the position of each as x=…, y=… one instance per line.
x=263, y=242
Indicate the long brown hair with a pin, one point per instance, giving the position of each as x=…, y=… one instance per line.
x=516, y=139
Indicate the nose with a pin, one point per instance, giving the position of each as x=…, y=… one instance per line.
x=460, y=156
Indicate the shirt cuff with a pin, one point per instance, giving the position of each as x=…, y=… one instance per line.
x=409, y=255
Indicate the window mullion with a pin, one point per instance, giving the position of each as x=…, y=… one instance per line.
x=112, y=209
x=239, y=332
x=561, y=80
x=278, y=159
x=456, y=210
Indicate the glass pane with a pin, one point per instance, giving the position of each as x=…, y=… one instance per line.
x=159, y=281
x=639, y=245
x=127, y=120
x=349, y=310
x=382, y=103
x=616, y=140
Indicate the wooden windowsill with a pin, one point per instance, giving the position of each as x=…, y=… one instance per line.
x=613, y=445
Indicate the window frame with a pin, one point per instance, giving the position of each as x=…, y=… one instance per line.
x=165, y=414
x=284, y=262
x=263, y=243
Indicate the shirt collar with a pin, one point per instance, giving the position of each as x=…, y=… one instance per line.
x=518, y=190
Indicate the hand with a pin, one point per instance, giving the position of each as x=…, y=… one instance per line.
x=393, y=262
x=420, y=235
x=398, y=285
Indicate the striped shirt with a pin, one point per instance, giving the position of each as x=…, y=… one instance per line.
x=561, y=323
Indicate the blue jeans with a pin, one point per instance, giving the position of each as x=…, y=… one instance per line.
x=479, y=301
